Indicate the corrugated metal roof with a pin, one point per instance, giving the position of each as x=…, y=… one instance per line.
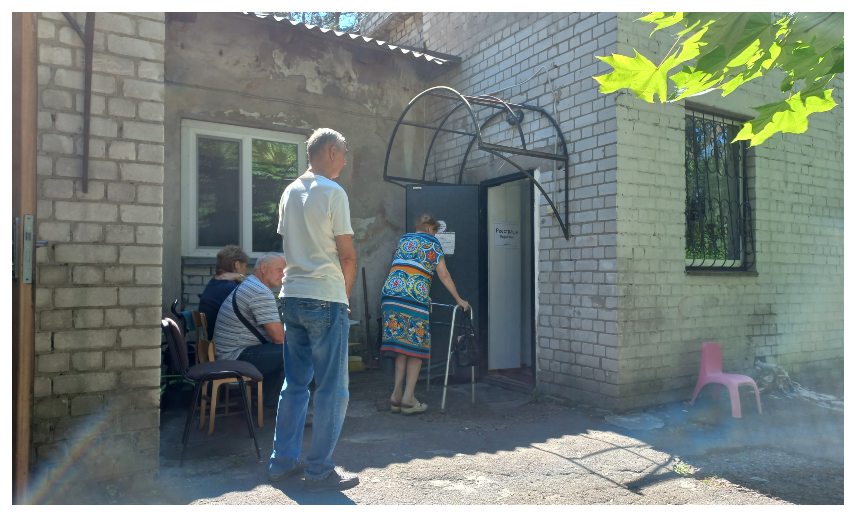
x=364, y=41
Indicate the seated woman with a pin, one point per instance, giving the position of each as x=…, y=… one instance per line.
x=405, y=305
x=231, y=268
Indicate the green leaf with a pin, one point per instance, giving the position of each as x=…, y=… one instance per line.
x=662, y=20
x=690, y=48
x=690, y=81
x=638, y=74
x=823, y=31
x=732, y=49
x=787, y=116
x=728, y=29
x=818, y=89
x=738, y=80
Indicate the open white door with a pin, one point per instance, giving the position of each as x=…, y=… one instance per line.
x=504, y=251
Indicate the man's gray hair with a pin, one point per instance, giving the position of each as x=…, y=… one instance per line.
x=268, y=258
x=321, y=138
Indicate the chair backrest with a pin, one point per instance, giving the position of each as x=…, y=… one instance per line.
x=200, y=321
x=177, y=346
x=711, y=358
x=205, y=351
x=179, y=319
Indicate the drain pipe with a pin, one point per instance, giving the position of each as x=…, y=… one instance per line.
x=88, y=37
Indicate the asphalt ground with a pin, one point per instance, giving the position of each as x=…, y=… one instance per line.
x=509, y=448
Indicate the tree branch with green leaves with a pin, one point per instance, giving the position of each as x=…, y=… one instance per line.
x=723, y=51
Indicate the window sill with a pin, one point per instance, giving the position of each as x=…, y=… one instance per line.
x=714, y=272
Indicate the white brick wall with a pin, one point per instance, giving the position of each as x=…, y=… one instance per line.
x=621, y=324
x=791, y=313
x=409, y=33
x=372, y=21
x=193, y=280
x=94, y=360
x=577, y=330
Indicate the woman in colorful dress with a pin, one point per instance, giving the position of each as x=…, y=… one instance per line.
x=405, y=305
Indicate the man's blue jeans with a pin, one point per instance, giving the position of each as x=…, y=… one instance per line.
x=316, y=344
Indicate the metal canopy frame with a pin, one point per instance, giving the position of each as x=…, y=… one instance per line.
x=514, y=115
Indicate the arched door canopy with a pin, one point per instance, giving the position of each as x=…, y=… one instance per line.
x=514, y=114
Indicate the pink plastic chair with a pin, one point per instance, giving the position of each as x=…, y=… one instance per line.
x=711, y=371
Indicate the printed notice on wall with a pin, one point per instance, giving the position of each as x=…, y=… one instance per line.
x=447, y=240
x=506, y=235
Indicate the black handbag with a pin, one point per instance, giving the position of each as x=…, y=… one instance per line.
x=466, y=346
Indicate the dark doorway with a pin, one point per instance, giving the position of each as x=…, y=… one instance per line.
x=456, y=207
x=488, y=237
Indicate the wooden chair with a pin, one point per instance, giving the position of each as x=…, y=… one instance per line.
x=200, y=322
x=201, y=374
x=206, y=352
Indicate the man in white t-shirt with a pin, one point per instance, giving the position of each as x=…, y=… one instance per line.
x=315, y=224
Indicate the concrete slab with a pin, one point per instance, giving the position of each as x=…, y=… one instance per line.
x=636, y=421
x=494, y=397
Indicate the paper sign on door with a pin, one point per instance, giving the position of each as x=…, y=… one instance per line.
x=506, y=235
x=447, y=240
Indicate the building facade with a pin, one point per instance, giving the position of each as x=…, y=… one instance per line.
x=192, y=111
x=98, y=282
x=622, y=309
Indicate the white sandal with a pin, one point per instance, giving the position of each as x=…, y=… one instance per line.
x=419, y=407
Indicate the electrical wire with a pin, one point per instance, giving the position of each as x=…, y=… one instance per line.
x=544, y=68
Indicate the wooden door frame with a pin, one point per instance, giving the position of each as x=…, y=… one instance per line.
x=24, y=107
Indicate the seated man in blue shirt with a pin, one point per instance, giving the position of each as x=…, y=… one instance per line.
x=231, y=268
x=259, y=339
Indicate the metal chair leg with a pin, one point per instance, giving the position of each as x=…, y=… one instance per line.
x=428, y=377
x=473, y=368
x=202, y=406
x=196, y=394
x=248, y=415
x=448, y=360
x=473, y=382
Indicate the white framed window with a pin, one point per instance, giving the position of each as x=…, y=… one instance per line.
x=232, y=179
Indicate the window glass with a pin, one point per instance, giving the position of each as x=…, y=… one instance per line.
x=219, y=192
x=274, y=167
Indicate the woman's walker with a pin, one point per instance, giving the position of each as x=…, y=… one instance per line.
x=449, y=358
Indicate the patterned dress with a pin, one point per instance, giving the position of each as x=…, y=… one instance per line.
x=404, y=299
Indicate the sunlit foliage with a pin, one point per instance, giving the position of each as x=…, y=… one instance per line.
x=723, y=51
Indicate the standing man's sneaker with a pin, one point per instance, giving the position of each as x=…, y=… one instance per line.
x=334, y=481
x=288, y=473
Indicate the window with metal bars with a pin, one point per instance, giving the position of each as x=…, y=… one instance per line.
x=719, y=216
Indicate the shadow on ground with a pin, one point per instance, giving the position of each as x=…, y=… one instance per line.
x=509, y=449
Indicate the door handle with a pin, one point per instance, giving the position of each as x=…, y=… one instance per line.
x=41, y=244
x=22, y=252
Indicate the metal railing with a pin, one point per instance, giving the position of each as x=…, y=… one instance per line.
x=719, y=227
